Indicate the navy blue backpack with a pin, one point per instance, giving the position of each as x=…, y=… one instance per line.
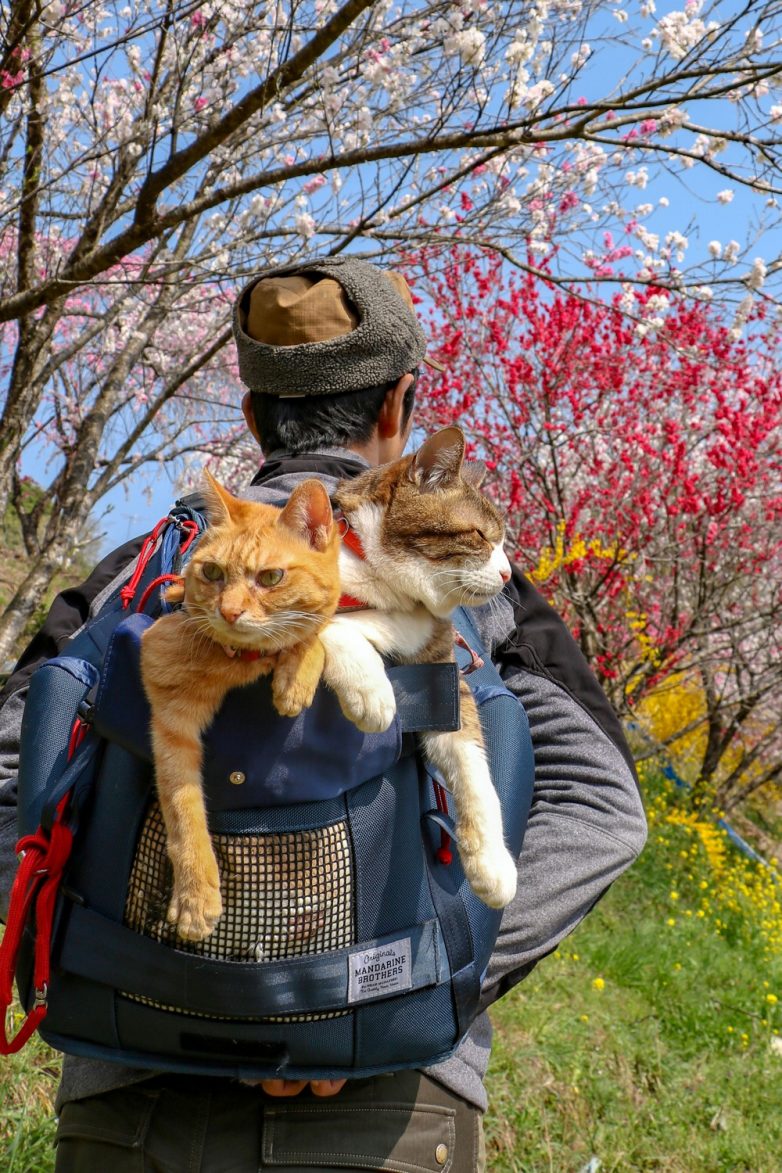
x=350, y=943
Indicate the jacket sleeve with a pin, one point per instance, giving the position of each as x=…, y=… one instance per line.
x=587, y=823
x=69, y=611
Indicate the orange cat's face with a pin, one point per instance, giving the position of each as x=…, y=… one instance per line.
x=261, y=577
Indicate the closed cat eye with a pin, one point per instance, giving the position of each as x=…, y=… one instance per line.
x=211, y=571
x=270, y=578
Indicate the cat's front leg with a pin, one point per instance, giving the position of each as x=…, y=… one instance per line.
x=296, y=677
x=182, y=704
x=196, y=905
x=355, y=672
x=488, y=865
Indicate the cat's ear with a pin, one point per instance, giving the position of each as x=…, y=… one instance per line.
x=474, y=473
x=175, y=593
x=220, y=504
x=308, y=513
x=438, y=461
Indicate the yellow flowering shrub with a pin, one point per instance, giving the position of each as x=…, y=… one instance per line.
x=561, y=556
x=674, y=714
x=709, y=880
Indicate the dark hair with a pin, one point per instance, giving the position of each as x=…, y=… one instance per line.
x=324, y=421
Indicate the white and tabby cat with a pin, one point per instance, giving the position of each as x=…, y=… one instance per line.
x=431, y=541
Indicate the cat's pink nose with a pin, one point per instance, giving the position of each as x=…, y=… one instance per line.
x=230, y=614
x=505, y=575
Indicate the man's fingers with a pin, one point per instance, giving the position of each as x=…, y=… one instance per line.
x=327, y=1087
x=292, y=1087
x=283, y=1087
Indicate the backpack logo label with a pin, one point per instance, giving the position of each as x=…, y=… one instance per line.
x=374, y=973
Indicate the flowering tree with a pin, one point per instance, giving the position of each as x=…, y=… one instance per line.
x=152, y=154
x=636, y=447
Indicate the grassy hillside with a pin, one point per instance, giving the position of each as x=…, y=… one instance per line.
x=652, y=1039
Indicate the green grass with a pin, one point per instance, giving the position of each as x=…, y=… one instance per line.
x=669, y=1066
x=28, y=1083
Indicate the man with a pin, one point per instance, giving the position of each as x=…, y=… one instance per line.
x=329, y=350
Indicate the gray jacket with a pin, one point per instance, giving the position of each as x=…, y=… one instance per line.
x=586, y=824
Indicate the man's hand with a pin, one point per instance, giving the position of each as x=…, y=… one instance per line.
x=292, y=1087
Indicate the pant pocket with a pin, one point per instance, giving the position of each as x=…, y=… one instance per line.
x=399, y=1137
x=120, y=1118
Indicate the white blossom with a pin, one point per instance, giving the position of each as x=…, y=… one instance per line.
x=469, y=44
x=757, y=274
x=679, y=32
x=671, y=119
x=677, y=243
x=305, y=225
x=725, y=196
x=538, y=93
x=638, y=178
x=715, y=249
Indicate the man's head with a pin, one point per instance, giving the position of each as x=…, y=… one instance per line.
x=329, y=349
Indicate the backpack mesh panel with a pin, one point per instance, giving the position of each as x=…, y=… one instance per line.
x=284, y=895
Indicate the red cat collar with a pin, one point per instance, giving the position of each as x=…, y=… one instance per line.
x=242, y=653
x=349, y=536
x=353, y=542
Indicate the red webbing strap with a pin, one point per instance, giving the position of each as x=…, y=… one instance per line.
x=145, y=553
x=36, y=885
x=191, y=529
x=156, y=583
x=128, y=592
x=443, y=853
x=27, y=882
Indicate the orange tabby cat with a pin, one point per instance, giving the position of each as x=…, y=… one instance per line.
x=261, y=584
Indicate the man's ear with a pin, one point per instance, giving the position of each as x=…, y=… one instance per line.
x=249, y=417
x=390, y=421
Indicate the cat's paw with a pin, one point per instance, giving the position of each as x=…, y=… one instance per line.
x=195, y=910
x=296, y=678
x=492, y=875
x=371, y=706
x=354, y=671
x=291, y=698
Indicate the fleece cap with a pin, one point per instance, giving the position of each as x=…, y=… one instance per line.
x=324, y=326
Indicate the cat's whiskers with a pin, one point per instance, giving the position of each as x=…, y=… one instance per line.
x=286, y=628
x=201, y=636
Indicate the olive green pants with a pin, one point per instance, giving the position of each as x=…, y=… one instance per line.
x=181, y=1124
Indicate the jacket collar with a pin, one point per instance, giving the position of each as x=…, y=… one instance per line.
x=335, y=462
